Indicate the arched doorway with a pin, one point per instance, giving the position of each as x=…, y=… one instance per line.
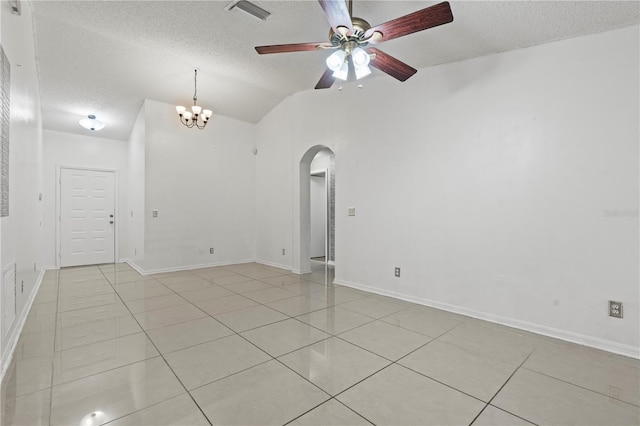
x=305, y=171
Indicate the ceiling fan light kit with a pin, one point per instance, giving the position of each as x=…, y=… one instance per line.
x=338, y=61
x=351, y=36
x=197, y=117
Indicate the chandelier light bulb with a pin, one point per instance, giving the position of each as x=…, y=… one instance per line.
x=180, y=110
x=342, y=73
x=196, y=110
x=362, y=71
x=336, y=60
x=187, y=115
x=360, y=57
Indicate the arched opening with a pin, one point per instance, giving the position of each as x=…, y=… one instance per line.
x=323, y=159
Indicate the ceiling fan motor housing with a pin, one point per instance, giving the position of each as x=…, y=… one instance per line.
x=360, y=27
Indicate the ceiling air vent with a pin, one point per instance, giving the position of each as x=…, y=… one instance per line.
x=250, y=8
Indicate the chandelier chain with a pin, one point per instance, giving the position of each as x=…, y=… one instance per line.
x=195, y=87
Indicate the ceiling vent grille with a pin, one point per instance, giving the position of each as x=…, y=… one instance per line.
x=250, y=8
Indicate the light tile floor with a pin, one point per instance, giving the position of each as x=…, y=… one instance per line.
x=252, y=344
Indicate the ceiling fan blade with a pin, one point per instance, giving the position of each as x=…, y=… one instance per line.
x=326, y=80
x=296, y=47
x=430, y=17
x=392, y=66
x=337, y=14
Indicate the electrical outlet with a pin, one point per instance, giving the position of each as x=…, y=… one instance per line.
x=154, y=213
x=352, y=211
x=135, y=252
x=283, y=252
x=22, y=286
x=615, y=309
x=397, y=272
x=211, y=250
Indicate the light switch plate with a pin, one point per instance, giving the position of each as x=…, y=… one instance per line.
x=352, y=211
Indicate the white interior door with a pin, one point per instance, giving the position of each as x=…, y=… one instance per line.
x=87, y=217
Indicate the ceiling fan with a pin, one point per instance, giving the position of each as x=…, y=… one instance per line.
x=350, y=37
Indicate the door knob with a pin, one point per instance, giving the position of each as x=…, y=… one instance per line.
x=111, y=221
x=110, y=215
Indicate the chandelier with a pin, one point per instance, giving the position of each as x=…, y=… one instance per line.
x=197, y=116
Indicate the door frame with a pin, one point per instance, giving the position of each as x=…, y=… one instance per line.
x=301, y=263
x=327, y=222
x=58, y=217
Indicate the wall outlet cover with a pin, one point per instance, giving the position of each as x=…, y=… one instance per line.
x=615, y=309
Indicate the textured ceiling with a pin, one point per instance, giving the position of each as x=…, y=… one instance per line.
x=106, y=57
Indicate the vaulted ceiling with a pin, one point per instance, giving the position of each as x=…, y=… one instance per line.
x=106, y=57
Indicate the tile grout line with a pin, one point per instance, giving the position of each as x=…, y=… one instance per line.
x=580, y=387
x=166, y=363
x=236, y=333
x=55, y=336
x=290, y=317
x=502, y=387
x=330, y=335
x=322, y=403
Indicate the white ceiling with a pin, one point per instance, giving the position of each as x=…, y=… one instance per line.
x=105, y=57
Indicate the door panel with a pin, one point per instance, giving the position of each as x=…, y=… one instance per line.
x=87, y=208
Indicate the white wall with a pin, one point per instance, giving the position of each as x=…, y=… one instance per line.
x=20, y=232
x=497, y=175
x=84, y=151
x=202, y=183
x=135, y=212
x=273, y=185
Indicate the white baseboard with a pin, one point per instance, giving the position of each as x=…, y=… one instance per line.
x=581, y=339
x=12, y=339
x=301, y=271
x=143, y=271
x=274, y=264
